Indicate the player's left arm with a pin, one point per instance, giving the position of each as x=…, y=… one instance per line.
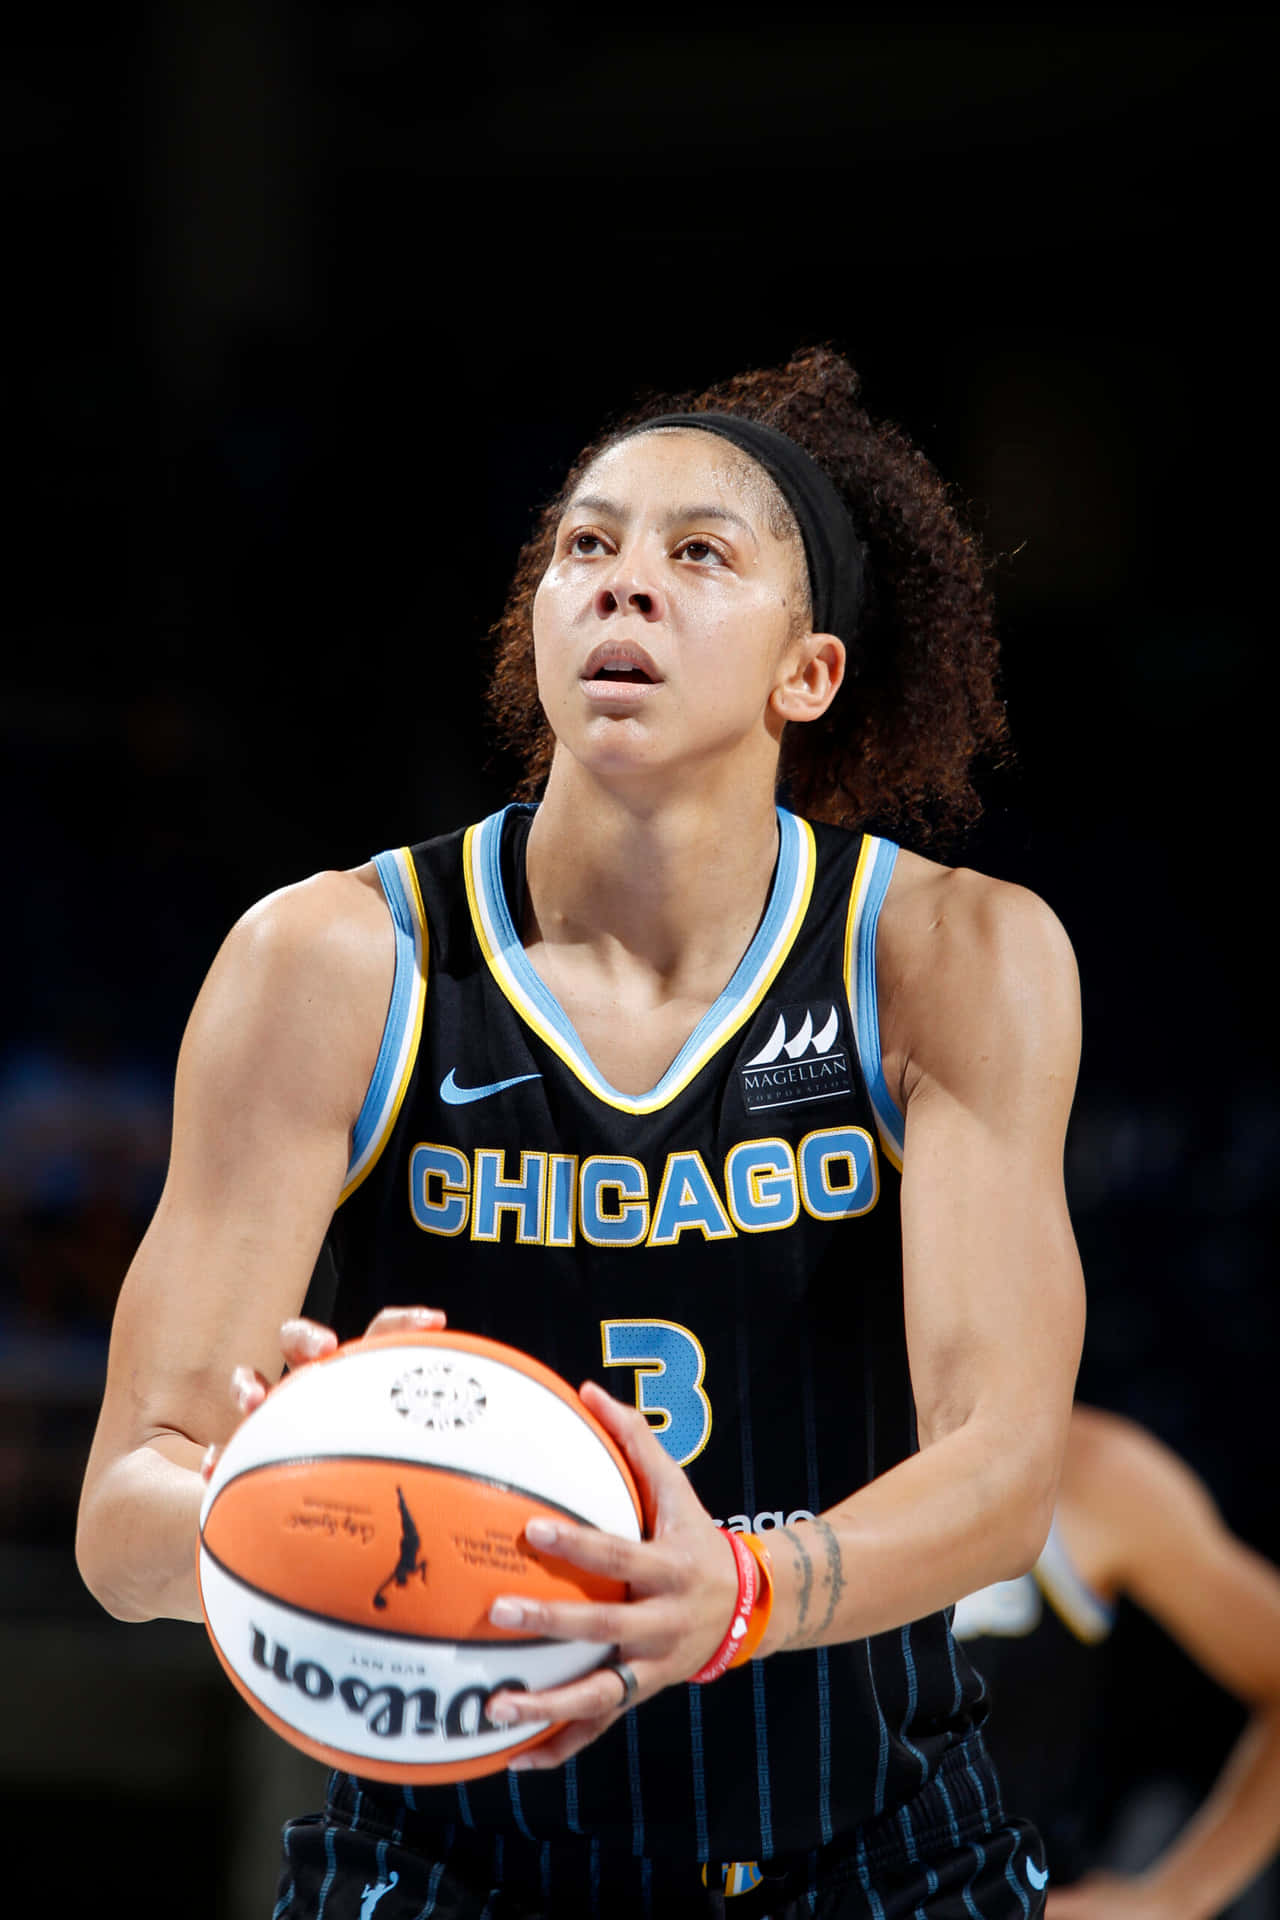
x=982, y=1004
x=981, y=1028
x=1172, y=1553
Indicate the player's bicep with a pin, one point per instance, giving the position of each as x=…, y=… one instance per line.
x=992, y=1280
x=273, y=1067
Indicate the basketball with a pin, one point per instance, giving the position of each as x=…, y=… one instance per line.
x=358, y=1526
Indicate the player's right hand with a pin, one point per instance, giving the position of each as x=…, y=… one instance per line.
x=304, y=1341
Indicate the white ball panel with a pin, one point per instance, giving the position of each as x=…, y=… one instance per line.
x=505, y=1426
x=362, y=1694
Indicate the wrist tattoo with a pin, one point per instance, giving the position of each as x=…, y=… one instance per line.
x=802, y=1634
x=835, y=1572
x=805, y=1566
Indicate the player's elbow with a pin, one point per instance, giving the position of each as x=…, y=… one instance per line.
x=99, y=1534
x=1031, y=1521
x=1019, y=1510
x=99, y=1578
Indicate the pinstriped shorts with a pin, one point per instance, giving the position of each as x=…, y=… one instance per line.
x=951, y=1853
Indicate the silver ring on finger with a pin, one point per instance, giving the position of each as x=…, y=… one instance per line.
x=630, y=1685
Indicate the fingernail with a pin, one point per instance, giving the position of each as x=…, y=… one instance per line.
x=506, y=1613
x=501, y=1716
x=521, y=1764
x=242, y=1383
x=541, y=1533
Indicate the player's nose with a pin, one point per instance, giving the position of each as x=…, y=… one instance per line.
x=629, y=588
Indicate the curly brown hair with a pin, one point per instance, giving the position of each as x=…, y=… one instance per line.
x=921, y=705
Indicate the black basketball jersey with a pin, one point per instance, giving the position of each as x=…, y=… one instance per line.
x=725, y=1250
x=1037, y=1643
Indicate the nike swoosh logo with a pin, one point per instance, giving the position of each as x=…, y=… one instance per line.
x=462, y=1096
x=1038, y=1880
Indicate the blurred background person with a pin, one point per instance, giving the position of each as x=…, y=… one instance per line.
x=1131, y=1520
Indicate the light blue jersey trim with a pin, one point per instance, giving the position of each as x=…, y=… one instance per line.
x=399, y=1034
x=864, y=1000
x=1085, y=1612
x=792, y=881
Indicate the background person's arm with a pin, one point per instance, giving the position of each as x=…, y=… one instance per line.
x=1166, y=1546
x=277, y=1055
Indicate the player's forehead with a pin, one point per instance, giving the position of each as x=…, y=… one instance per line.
x=681, y=467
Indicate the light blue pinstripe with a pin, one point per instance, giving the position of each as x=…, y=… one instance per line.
x=437, y=1873
x=1018, y=1888
x=513, y=1794
x=864, y=1875
x=464, y=1807
x=823, y=1664
x=882, y=1762
x=633, y=1782
x=764, y=1785
x=327, y=1882
x=931, y=1881
x=694, y=1697
x=433, y=1888
x=571, y=1796
x=972, y=1772
x=952, y=1824
x=913, y=1694
x=979, y=1862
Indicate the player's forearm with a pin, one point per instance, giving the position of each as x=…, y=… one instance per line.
x=1233, y=1835
x=963, y=1513
x=136, y=1539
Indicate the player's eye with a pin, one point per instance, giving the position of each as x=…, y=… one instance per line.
x=586, y=544
x=701, y=551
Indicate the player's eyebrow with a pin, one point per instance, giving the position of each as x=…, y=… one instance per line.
x=607, y=509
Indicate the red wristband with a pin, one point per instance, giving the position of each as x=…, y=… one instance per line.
x=748, y=1588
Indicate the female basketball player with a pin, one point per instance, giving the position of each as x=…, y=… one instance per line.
x=752, y=1115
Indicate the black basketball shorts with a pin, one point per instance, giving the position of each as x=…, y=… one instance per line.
x=944, y=1856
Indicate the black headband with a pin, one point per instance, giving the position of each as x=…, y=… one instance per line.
x=831, y=544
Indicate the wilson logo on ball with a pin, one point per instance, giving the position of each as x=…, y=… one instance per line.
x=387, y=1711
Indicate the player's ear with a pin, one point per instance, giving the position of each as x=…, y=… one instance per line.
x=809, y=678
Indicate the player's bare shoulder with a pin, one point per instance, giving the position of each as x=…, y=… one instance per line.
x=298, y=991
x=971, y=969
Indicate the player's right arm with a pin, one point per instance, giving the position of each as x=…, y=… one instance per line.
x=277, y=1056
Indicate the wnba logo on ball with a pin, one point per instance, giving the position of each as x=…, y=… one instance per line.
x=438, y=1398
x=384, y=1709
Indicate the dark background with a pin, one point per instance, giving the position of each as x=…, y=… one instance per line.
x=308, y=308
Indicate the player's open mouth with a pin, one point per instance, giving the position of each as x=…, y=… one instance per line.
x=618, y=663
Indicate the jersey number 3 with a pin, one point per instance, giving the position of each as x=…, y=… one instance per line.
x=669, y=1365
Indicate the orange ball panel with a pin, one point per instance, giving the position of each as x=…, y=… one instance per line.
x=389, y=1545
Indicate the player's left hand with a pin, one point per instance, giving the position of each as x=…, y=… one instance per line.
x=682, y=1581
x=1108, y=1896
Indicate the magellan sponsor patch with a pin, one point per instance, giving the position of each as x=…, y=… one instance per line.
x=795, y=1056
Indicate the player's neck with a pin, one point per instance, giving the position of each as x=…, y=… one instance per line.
x=671, y=878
